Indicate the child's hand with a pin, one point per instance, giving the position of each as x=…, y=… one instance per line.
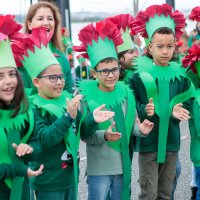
x=100, y=115
x=32, y=173
x=72, y=106
x=145, y=127
x=180, y=113
x=22, y=149
x=110, y=135
x=150, y=109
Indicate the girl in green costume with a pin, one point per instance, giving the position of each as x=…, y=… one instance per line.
x=160, y=87
x=17, y=143
x=108, y=160
x=57, y=122
x=46, y=14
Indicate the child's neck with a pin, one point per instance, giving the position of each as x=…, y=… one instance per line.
x=161, y=65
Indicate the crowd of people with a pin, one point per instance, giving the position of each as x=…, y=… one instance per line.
x=122, y=99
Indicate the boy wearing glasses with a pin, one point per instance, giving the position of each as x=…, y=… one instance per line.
x=55, y=115
x=108, y=161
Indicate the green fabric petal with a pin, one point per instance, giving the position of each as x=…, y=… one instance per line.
x=128, y=75
x=91, y=92
x=96, y=97
x=174, y=70
x=9, y=129
x=197, y=96
x=55, y=106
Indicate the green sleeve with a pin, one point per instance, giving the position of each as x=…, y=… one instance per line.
x=89, y=126
x=51, y=130
x=12, y=170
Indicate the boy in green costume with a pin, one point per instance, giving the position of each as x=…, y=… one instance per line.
x=18, y=144
x=160, y=87
x=108, y=160
x=56, y=122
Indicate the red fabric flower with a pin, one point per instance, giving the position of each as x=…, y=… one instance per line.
x=93, y=32
x=195, y=14
x=9, y=28
x=122, y=21
x=21, y=46
x=139, y=23
x=192, y=57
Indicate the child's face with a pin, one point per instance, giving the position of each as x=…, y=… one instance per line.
x=51, y=83
x=8, y=84
x=107, y=79
x=126, y=60
x=162, y=48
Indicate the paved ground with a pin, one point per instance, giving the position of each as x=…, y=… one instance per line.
x=183, y=187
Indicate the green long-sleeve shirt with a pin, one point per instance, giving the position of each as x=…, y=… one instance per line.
x=51, y=131
x=12, y=170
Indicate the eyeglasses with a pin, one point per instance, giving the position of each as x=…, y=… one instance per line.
x=106, y=72
x=54, y=78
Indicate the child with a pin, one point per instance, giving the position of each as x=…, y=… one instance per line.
x=160, y=86
x=126, y=51
x=55, y=120
x=192, y=61
x=108, y=161
x=18, y=144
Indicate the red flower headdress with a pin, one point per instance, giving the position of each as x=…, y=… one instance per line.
x=99, y=41
x=122, y=21
x=27, y=43
x=192, y=58
x=143, y=17
x=195, y=14
x=33, y=52
x=9, y=28
x=92, y=32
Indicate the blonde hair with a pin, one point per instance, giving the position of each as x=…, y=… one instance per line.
x=57, y=17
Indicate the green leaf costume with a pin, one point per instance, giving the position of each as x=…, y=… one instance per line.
x=156, y=80
x=113, y=101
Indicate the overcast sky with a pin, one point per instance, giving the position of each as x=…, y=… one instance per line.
x=21, y=6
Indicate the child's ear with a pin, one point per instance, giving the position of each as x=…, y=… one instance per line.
x=93, y=73
x=36, y=82
x=150, y=48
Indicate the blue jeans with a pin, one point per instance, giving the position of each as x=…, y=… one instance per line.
x=178, y=173
x=197, y=170
x=99, y=187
